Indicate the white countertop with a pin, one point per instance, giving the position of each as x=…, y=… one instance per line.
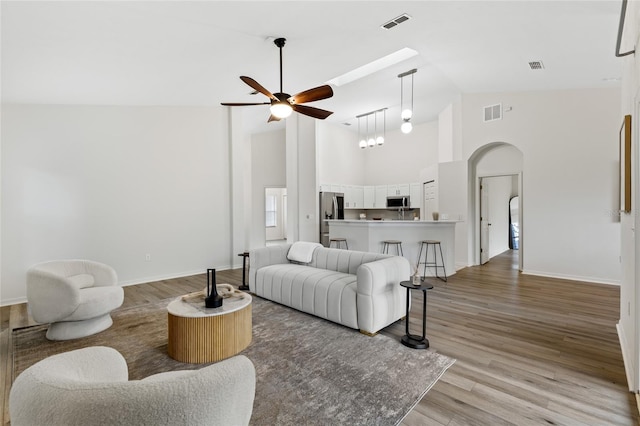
x=395, y=222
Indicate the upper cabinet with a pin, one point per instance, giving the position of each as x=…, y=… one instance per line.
x=353, y=197
x=380, y=201
x=369, y=196
x=402, y=189
x=375, y=197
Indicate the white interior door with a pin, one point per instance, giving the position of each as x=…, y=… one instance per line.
x=485, y=223
x=430, y=199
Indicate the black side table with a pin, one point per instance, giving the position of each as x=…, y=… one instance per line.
x=412, y=340
x=244, y=286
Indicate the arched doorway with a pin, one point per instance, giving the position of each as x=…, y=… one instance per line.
x=497, y=165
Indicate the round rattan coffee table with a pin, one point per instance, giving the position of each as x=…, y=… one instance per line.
x=198, y=334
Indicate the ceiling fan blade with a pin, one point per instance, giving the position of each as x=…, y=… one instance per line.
x=311, y=111
x=315, y=94
x=255, y=85
x=272, y=118
x=243, y=104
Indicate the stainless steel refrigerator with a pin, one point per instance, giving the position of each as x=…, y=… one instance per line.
x=331, y=207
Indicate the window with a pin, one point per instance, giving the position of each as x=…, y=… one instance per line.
x=270, y=211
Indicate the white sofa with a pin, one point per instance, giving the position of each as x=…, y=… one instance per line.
x=356, y=289
x=90, y=386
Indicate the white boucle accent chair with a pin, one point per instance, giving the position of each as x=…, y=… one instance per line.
x=357, y=289
x=90, y=386
x=75, y=296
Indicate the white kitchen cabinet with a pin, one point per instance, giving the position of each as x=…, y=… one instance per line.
x=353, y=197
x=415, y=194
x=394, y=190
x=369, y=195
x=357, y=197
x=337, y=188
x=325, y=187
x=380, y=201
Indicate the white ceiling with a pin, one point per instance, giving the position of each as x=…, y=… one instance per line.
x=192, y=53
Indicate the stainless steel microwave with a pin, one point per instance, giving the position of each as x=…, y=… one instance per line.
x=401, y=202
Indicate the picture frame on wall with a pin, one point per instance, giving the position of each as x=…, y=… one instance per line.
x=625, y=165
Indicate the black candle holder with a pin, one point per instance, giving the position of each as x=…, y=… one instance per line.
x=213, y=299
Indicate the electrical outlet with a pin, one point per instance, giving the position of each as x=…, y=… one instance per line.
x=147, y=257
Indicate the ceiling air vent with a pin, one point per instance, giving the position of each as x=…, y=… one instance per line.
x=536, y=65
x=492, y=112
x=395, y=21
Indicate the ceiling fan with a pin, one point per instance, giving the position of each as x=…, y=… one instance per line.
x=282, y=104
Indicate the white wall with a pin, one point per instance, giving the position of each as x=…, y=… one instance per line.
x=569, y=144
x=629, y=324
x=453, y=204
x=340, y=160
x=399, y=160
x=402, y=156
x=268, y=169
x=113, y=184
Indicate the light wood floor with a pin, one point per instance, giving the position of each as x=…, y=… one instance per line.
x=529, y=350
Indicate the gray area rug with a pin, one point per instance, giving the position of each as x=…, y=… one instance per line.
x=309, y=371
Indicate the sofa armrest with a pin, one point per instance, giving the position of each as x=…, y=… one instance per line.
x=380, y=298
x=265, y=256
x=50, y=297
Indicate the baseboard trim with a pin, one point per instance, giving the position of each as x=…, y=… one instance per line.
x=14, y=301
x=628, y=367
x=572, y=277
x=169, y=276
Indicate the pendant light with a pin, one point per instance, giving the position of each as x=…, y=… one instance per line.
x=370, y=141
x=363, y=143
x=380, y=138
x=368, y=138
x=406, y=110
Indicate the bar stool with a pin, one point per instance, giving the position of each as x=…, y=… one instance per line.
x=396, y=243
x=338, y=242
x=436, y=245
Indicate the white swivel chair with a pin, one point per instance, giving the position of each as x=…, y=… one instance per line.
x=90, y=386
x=75, y=296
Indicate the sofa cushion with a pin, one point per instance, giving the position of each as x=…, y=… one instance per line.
x=302, y=251
x=325, y=293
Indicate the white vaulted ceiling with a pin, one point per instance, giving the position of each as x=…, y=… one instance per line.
x=192, y=53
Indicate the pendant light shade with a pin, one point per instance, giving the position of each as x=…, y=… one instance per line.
x=407, y=110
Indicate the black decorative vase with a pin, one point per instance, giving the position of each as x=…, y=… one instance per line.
x=213, y=300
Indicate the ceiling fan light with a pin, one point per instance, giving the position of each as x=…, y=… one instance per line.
x=406, y=114
x=281, y=109
x=379, y=140
x=406, y=127
x=362, y=144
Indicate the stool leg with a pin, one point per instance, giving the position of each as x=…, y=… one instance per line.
x=443, y=268
x=346, y=244
x=400, y=247
x=424, y=271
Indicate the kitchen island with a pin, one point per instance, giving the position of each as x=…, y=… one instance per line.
x=368, y=235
